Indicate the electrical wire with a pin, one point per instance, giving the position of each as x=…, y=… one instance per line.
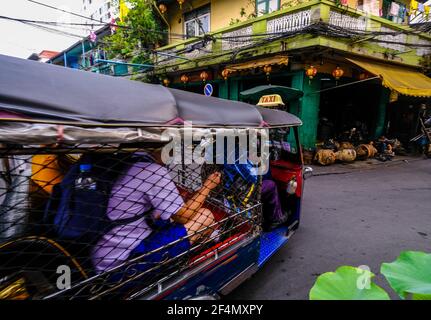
x=318, y=29
x=52, y=22
x=48, y=26
x=53, y=30
x=77, y=25
x=98, y=21
x=206, y=37
x=62, y=10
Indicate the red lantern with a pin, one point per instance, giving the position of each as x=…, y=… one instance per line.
x=163, y=8
x=311, y=72
x=184, y=79
x=166, y=82
x=204, y=76
x=225, y=74
x=337, y=73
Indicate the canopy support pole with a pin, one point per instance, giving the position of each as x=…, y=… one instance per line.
x=345, y=85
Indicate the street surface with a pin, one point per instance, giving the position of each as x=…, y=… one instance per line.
x=365, y=217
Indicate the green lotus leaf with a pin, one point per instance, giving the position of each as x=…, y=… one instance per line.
x=347, y=283
x=410, y=274
x=417, y=296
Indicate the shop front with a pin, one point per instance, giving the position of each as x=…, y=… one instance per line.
x=340, y=98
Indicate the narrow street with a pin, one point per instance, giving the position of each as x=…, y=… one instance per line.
x=358, y=218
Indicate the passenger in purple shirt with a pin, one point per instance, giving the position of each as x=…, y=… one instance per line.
x=147, y=187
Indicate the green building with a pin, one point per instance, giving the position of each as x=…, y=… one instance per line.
x=238, y=45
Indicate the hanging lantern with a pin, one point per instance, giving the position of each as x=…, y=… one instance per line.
x=364, y=76
x=267, y=69
x=225, y=74
x=204, y=76
x=113, y=26
x=337, y=73
x=93, y=36
x=180, y=2
x=393, y=96
x=166, y=82
x=163, y=8
x=184, y=79
x=311, y=72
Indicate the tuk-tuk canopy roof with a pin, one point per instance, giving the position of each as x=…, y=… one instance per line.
x=48, y=92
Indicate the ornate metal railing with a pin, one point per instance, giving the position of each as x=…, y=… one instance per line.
x=291, y=22
x=346, y=21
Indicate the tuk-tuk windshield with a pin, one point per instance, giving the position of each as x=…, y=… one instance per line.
x=284, y=144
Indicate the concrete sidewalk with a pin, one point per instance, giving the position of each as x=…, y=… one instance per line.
x=343, y=168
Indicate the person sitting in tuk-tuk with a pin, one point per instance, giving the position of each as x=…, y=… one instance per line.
x=147, y=186
x=273, y=213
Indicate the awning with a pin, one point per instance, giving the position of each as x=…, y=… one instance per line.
x=259, y=63
x=287, y=94
x=400, y=79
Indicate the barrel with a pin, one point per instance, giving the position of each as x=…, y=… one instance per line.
x=346, y=155
x=365, y=151
x=325, y=157
x=345, y=145
x=308, y=156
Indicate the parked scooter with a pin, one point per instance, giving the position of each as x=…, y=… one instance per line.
x=424, y=138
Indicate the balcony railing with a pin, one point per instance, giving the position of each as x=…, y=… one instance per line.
x=288, y=20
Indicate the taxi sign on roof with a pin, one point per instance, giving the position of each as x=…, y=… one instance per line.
x=272, y=100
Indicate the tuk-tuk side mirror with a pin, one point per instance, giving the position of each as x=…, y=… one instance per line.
x=307, y=173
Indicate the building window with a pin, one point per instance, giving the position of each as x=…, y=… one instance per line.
x=267, y=6
x=197, y=22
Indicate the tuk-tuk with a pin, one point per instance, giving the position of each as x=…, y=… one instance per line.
x=79, y=162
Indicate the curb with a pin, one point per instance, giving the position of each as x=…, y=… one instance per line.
x=371, y=166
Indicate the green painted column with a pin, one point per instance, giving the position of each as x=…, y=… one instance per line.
x=234, y=89
x=381, y=112
x=223, y=91
x=297, y=83
x=307, y=108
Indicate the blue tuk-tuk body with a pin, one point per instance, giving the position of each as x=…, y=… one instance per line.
x=230, y=270
x=37, y=125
